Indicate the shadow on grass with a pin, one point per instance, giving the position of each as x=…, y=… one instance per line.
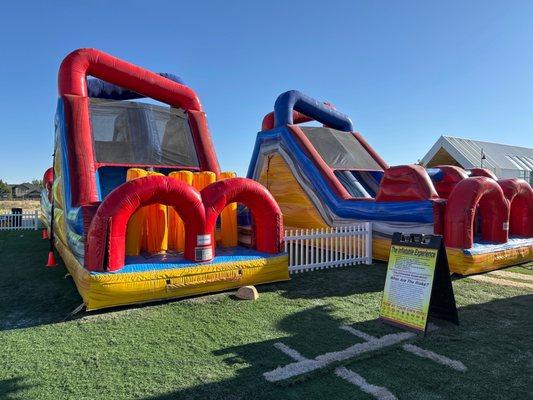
x=491, y=341
x=30, y=293
x=333, y=282
x=10, y=387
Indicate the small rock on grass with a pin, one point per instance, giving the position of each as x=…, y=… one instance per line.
x=247, y=293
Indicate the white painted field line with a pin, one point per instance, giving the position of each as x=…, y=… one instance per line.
x=501, y=282
x=513, y=275
x=309, y=365
x=294, y=354
x=438, y=358
x=360, y=334
x=378, y=392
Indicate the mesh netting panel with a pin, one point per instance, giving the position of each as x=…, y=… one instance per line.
x=340, y=150
x=143, y=134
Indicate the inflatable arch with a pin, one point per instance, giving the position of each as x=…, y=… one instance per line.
x=329, y=175
x=135, y=195
x=520, y=196
x=460, y=210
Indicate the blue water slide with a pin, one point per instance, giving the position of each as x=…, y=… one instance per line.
x=408, y=211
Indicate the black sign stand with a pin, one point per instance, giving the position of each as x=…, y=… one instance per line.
x=442, y=301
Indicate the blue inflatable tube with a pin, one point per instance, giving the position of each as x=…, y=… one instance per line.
x=295, y=100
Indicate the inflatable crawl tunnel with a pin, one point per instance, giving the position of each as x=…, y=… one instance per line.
x=323, y=176
x=135, y=202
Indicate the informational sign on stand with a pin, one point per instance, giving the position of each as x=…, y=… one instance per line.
x=418, y=283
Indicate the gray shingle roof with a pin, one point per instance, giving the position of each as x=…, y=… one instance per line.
x=468, y=153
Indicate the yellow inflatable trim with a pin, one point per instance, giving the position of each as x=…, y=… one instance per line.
x=110, y=290
x=466, y=264
x=298, y=210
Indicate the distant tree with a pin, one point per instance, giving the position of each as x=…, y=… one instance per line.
x=4, y=189
x=37, y=182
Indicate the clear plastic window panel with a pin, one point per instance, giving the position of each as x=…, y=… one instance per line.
x=141, y=134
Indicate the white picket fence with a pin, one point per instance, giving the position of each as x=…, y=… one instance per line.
x=311, y=249
x=15, y=222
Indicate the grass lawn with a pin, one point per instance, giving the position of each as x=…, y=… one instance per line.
x=217, y=347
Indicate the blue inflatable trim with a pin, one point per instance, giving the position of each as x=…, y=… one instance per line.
x=295, y=100
x=104, y=90
x=167, y=261
x=435, y=174
x=73, y=216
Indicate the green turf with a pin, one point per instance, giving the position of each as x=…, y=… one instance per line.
x=217, y=347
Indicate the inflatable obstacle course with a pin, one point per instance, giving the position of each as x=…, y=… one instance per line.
x=328, y=175
x=136, y=204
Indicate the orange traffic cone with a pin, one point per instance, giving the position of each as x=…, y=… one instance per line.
x=45, y=233
x=51, y=260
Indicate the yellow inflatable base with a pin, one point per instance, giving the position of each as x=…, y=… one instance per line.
x=110, y=290
x=467, y=264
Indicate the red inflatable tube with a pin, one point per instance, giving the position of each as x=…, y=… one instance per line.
x=48, y=182
x=451, y=176
x=266, y=213
x=80, y=151
x=203, y=143
x=483, y=172
x=297, y=118
x=520, y=196
x=461, y=209
x=82, y=62
x=107, y=232
x=406, y=183
x=73, y=89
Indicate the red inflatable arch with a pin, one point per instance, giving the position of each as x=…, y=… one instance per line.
x=452, y=175
x=265, y=211
x=520, y=196
x=483, y=172
x=461, y=209
x=406, y=183
x=107, y=233
x=48, y=182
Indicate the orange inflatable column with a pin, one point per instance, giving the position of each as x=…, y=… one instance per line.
x=134, y=232
x=176, y=228
x=228, y=219
x=156, y=227
x=200, y=181
x=203, y=179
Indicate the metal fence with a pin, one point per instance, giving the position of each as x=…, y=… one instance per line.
x=19, y=221
x=311, y=249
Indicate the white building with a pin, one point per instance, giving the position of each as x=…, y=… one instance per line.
x=504, y=160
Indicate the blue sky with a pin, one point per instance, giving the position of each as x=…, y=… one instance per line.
x=404, y=71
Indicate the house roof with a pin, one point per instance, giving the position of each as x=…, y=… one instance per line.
x=467, y=153
x=27, y=185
